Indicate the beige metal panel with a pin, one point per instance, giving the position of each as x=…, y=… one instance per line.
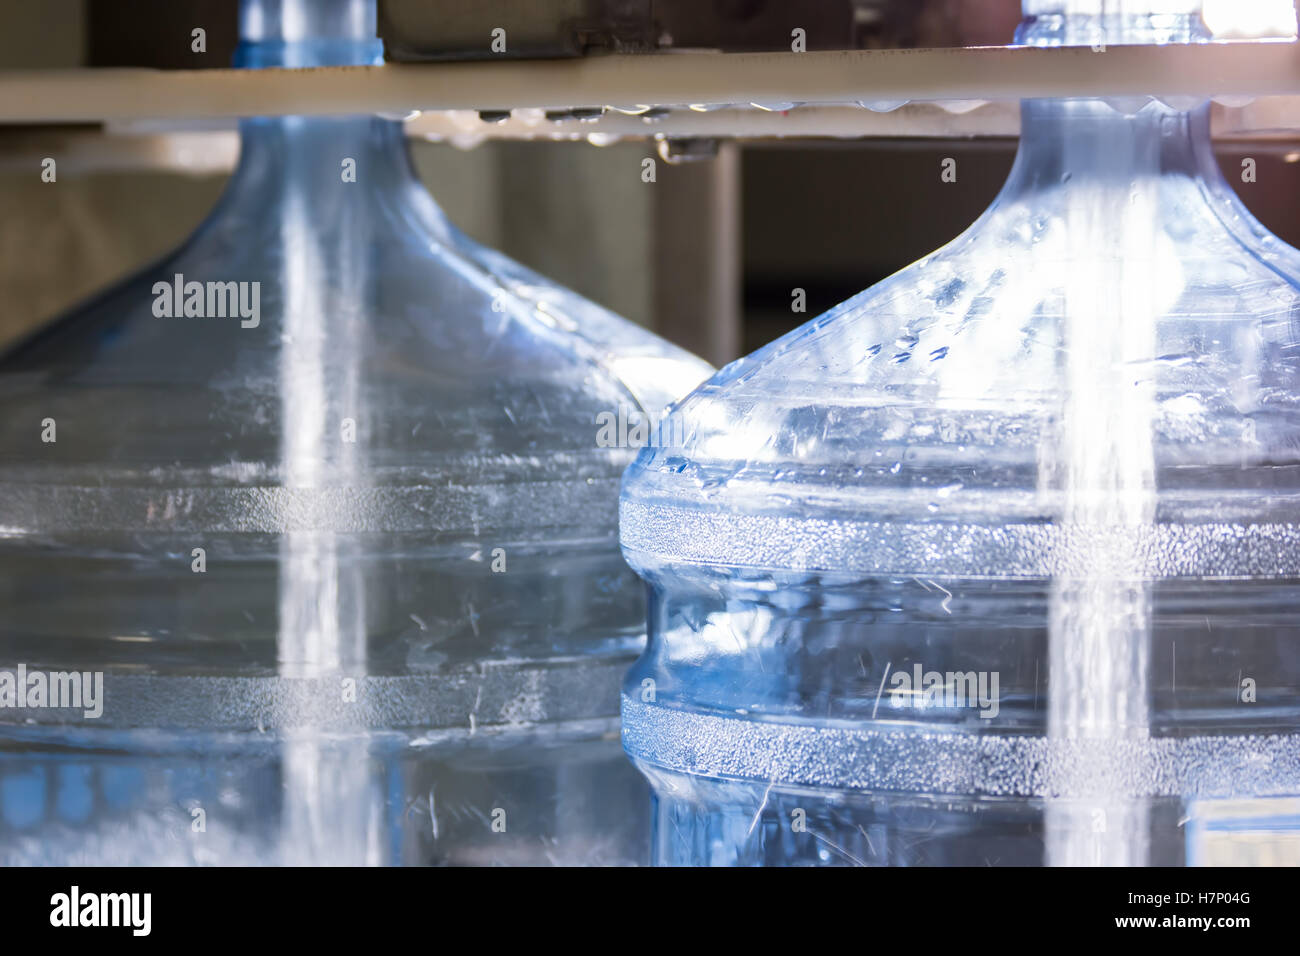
x=982, y=73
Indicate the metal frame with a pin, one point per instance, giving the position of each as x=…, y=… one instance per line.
x=631, y=82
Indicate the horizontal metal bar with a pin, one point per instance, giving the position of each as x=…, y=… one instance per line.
x=846, y=77
x=916, y=120
x=1268, y=124
x=88, y=149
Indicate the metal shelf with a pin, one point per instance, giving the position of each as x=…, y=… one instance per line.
x=181, y=119
x=1231, y=70
x=1266, y=120
x=1270, y=124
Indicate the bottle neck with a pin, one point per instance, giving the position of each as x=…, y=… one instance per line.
x=300, y=33
x=1095, y=143
x=314, y=157
x=318, y=155
x=307, y=33
x=1122, y=142
x=1100, y=23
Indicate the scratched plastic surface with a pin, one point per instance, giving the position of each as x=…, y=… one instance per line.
x=995, y=563
x=349, y=562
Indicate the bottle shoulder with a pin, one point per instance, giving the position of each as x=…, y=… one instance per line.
x=438, y=354
x=992, y=381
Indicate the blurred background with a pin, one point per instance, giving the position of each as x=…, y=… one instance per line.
x=709, y=255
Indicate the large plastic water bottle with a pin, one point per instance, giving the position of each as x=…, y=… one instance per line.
x=308, y=534
x=997, y=562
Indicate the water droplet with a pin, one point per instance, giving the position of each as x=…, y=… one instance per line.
x=961, y=106
x=882, y=106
